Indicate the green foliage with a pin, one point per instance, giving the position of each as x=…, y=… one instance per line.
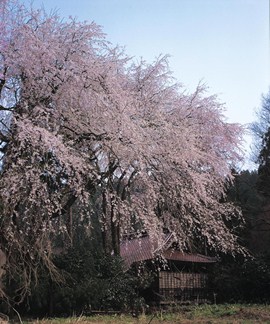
x=215, y=311
x=91, y=281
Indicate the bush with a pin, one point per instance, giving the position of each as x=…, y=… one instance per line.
x=91, y=281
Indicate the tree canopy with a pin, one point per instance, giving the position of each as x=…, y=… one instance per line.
x=261, y=126
x=79, y=117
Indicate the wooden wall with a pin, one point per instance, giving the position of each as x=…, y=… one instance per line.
x=183, y=286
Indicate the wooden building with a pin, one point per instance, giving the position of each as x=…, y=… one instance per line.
x=182, y=277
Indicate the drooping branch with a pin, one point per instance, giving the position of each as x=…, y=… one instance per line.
x=86, y=136
x=158, y=157
x=3, y=137
x=65, y=209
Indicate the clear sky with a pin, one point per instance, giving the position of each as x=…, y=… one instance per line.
x=225, y=43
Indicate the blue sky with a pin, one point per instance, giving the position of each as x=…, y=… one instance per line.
x=225, y=43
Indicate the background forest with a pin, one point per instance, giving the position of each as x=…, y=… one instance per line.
x=96, y=148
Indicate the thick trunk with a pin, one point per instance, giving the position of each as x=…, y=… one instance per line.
x=115, y=231
x=104, y=233
x=70, y=225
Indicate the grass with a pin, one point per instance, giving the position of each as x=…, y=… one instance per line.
x=204, y=314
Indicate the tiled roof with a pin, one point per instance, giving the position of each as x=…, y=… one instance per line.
x=143, y=249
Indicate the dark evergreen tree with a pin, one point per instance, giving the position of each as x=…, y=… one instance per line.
x=244, y=194
x=261, y=126
x=246, y=279
x=264, y=166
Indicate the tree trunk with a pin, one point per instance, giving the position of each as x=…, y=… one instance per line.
x=104, y=233
x=115, y=232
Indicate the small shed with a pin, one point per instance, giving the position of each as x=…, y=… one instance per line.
x=184, y=277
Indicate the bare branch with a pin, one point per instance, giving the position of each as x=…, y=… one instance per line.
x=6, y=109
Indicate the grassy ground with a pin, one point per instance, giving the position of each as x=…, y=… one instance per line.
x=206, y=314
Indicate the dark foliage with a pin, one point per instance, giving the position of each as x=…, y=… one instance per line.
x=90, y=280
x=242, y=280
x=264, y=166
x=246, y=279
x=244, y=194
